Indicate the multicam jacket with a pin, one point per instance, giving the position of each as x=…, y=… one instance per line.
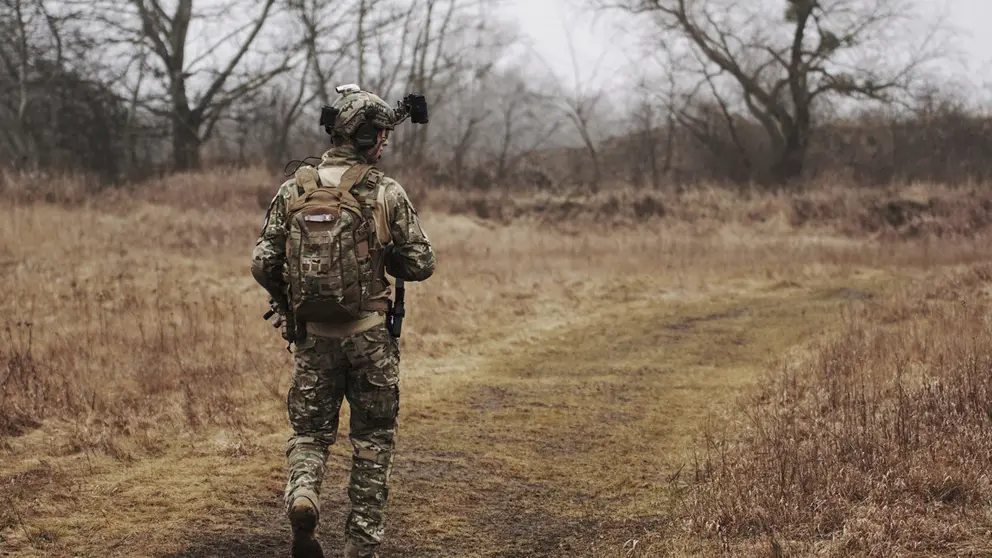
x=409, y=256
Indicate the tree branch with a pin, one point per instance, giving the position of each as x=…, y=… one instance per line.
x=219, y=81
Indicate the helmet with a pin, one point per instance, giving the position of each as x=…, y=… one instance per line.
x=354, y=108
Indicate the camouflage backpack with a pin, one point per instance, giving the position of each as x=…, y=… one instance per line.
x=334, y=249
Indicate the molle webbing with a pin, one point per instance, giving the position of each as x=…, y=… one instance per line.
x=374, y=207
x=379, y=207
x=375, y=213
x=358, y=189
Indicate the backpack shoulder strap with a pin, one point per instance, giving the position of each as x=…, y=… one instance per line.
x=375, y=205
x=307, y=181
x=381, y=213
x=354, y=175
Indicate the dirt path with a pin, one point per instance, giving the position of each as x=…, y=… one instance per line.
x=558, y=443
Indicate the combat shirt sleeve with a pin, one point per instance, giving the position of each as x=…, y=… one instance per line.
x=269, y=255
x=410, y=256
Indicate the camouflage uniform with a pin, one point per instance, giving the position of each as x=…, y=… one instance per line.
x=362, y=366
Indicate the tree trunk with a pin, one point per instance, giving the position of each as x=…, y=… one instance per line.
x=458, y=161
x=789, y=166
x=185, y=141
x=597, y=175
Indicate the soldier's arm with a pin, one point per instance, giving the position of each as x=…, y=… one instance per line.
x=269, y=255
x=410, y=256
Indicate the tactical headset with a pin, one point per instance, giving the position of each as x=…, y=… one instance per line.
x=367, y=134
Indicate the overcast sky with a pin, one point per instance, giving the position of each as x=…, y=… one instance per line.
x=544, y=22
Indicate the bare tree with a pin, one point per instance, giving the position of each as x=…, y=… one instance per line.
x=427, y=62
x=783, y=66
x=526, y=123
x=449, y=43
x=197, y=88
x=579, y=102
x=337, y=36
x=325, y=40
x=31, y=33
x=469, y=124
x=653, y=140
x=53, y=113
x=705, y=112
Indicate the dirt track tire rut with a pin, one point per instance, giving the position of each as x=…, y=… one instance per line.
x=565, y=444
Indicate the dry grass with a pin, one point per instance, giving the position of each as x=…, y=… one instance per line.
x=917, y=211
x=876, y=444
x=556, y=378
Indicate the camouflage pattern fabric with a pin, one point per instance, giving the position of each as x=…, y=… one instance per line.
x=409, y=257
x=361, y=367
x=364, y=368
x=356, y=108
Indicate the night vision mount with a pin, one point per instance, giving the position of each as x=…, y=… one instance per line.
x=412, y=106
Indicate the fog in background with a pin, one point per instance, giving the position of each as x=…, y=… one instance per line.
x=544, y=94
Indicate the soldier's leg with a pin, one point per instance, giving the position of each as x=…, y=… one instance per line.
x=373, y=397
x=313, y=403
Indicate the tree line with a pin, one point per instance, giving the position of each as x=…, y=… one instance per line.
x=772, y=93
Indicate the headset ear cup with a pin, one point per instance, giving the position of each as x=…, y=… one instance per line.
x=366, y=136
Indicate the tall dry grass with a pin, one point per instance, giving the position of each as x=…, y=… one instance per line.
x=116, y=336
x=130, y=321
x=130, y=309
x=130, y=313
x=876, y=443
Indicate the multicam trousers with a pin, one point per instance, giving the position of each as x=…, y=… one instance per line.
x=363, y=367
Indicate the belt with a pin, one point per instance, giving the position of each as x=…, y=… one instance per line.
x=323, y=329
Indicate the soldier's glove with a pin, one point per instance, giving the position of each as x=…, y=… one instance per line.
x=389, y=257
x=281, y=322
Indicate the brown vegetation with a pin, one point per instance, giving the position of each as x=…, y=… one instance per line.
x=876, y=444
x=744, y=314
x=570, y=374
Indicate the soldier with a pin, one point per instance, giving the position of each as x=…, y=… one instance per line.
x=329, y=234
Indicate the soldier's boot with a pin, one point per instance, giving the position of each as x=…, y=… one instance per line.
x=303, y=519
x=355, y=549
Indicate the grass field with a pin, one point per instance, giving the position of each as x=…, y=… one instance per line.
x=710, y=374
